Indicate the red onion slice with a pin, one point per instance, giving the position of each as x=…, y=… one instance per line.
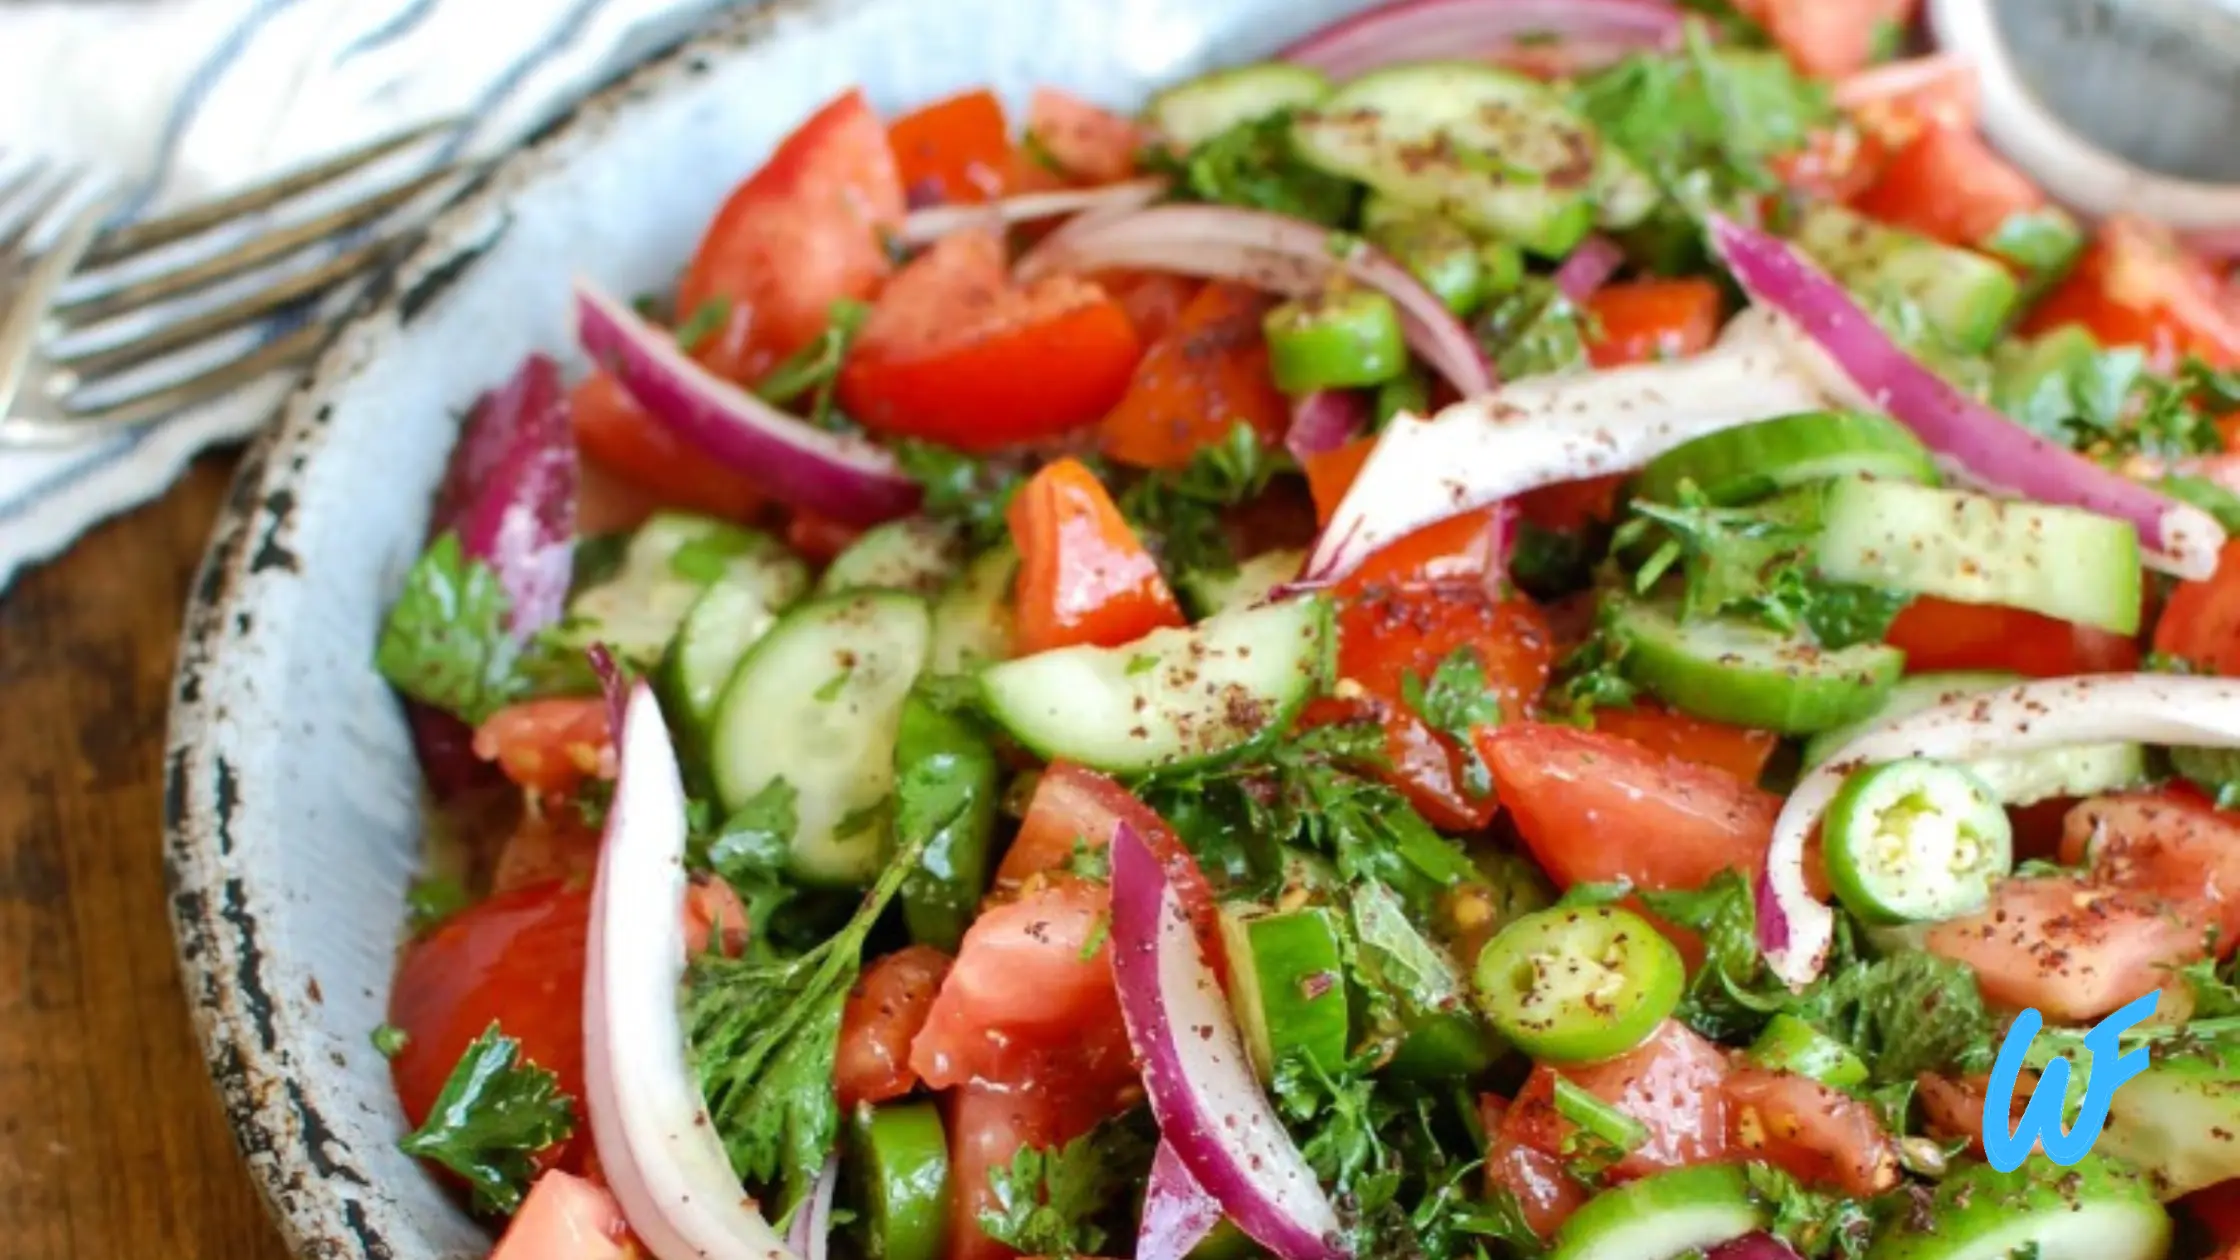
x=811, y=1234
x=1325, y=420
x=1177, y=1211
x=1283, y=255
x=1753, y=1247
x=2051, y=713
x=1210, y=1107
x=1860, y=363
x=1416, y=30
x=846, y=479
x=931, y=224
x=649, y=1120
x=1546, y=429
x=1589, y=267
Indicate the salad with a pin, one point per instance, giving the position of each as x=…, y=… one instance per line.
x=1525, y=630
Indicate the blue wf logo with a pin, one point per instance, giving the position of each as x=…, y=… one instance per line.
x=2041, y=1120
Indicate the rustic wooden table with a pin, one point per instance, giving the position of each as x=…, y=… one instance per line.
x=112, y=1145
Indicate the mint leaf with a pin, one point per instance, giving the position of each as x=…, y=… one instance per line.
x=495, y=1112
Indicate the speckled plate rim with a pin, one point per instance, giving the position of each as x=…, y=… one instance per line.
x=241, y=1015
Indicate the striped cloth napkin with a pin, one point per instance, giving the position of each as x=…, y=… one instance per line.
x=184, y=99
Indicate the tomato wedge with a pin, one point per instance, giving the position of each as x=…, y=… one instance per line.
x=2201, y=622
x=1595, y=808
x=1938, y=635
x=1206, y=373
x=883, y=1015
x=2074, y=950
x=1670, y=1083
x=1950, y=186
x=566, y=1217
x=1084, y=577
x=2136, y=285
x=1828, y=39
x=2172, y=843
x=1820, y=1135
x=954, y=353
x=1460, y=551
x=1649, y=320
x=1738, y=750
x=805, y=231
x=1091, y=144
x=956, y=150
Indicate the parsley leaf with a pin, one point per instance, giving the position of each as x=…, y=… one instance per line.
x=1455, y=703
x=2106, y=403
x=2213, y=770
x=761, y=1032
x=1049, y=1200
x=1601, y=1134
x=1905, y=1014
x=705, y=321
x=971, y=493
x=1589, y=677
x=1731, y=994
x=495, y=1111
x=1533, y=330
x=1386, y=1148
x=389, y=1040
x=1845, y=614
x=433, y=898
x=1178, y=512
x=1816, y=1224
x=446, y=642
x=1253, y=164
x=2214, y=993
x=1550, y=564
x=814, y=370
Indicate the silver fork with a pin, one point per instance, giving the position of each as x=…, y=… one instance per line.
x=106, y=331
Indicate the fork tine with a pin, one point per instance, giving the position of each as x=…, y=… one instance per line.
x=26, y=305
x=15, y=185
x=206, y=324
x=263, y=249
x=136, y=237
x=35, y=199
x=94, y=422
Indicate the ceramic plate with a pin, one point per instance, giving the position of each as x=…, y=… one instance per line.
x=291, y=800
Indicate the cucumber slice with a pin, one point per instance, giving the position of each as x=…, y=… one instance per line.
x=1662, y=1216
x=1172, y=699
x=1440, y=1033
x=1252, y=582
x=972, y=621
x=1287, y=985
x=2058, y=561
x=1964, y=295
x=816, y=704
x=726, y=621
x=2021, y=779
x=2175, y=1121
x=1915, y=841
x=2095, y=1210
x=1736, y=671
x=914, y=554
x=1498, y=151
x=1743, y=465
x=670, y=560
x=1191, y=113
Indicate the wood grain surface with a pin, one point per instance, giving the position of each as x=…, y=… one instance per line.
x=112, y=1146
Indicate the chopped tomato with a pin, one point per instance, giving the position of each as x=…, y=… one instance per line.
x=608, y=504
x=1075, y=810
x=612, y=429
x=1458, y=551
x=2136, y=285
x=1670, y=1083
x=1083, y=575
x=1820, y=1135
x=1939, y=634
x=713, y=916
x=883, y=1015
x=818, y=538
x=2072, y=949
x=988, y=1125
x=566, y=1217
x=1954, y=1107
x=1331, y=473
x=1569, y=506
x=954, y=150
x=1648, y=320
x=1091, y=144
x=1030, y=995
x=1546, y=1194
x=803, y=232
x=2201, y=622
x=1594, y=808
x=1950, y=186
x=1896, y=102
x=549, y=745
x=515, y=960
x=1206, y=374
x=1394, y=640
x=1828, y=39
x=2218, y=1210
x=550, y=844
x=2171, y=843
x=1154, y=301
x=954, y=353
x=1836, y=163
x=1738, y=750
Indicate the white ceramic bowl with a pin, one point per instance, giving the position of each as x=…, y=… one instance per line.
x=291, y=794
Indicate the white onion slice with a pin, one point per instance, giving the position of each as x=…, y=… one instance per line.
x=649, y=1120
x=2050, y=713
x=1210, y=1107
x=1547, y=429
x=1270, y=251
x=934, y=222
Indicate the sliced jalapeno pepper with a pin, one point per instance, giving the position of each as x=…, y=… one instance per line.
x=899, y=1156
x=955, y=810
x=1335, y=340
x=1575, y=984
x=1439, y=252
x=1915, y=841
x=1789, y=1044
